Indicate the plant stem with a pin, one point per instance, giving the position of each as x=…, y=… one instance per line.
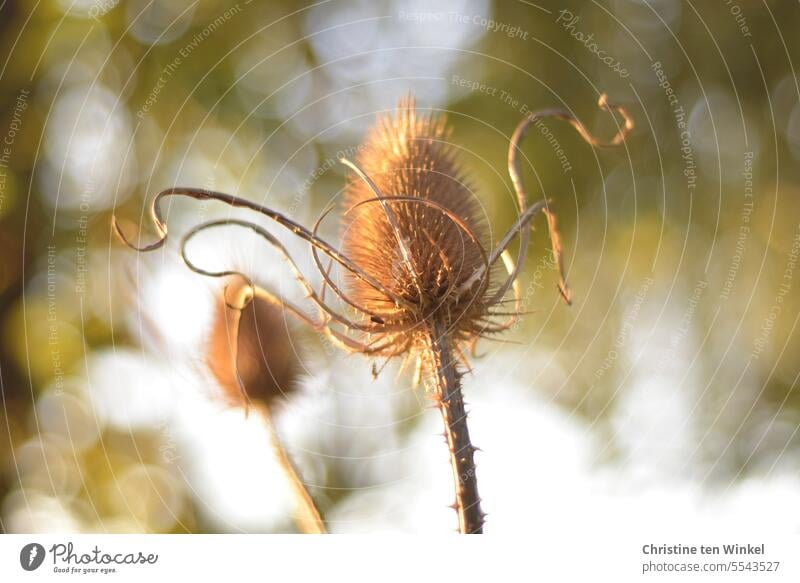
x=446, y=384
x=306, y=514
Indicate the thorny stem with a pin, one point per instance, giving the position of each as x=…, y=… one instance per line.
x=306, y=514
x=445, y=381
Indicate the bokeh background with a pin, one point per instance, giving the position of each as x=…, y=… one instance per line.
x=667, y=394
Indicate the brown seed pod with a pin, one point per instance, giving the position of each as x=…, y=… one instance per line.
x=415, y=249
x=251, y=354
x=250, y=350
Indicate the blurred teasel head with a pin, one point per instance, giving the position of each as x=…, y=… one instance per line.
x=250, y=350
x=251, y=354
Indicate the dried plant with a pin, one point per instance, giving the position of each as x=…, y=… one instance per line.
x=250, y=351
x=422, y=283
x=251, y=354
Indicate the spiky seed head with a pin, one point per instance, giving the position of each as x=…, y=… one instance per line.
x=409, y=154
x=254, y=341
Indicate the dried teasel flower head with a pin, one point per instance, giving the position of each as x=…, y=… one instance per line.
x=424, y=239
x=250, y=351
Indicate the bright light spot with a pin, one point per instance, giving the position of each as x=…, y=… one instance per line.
x=87, y=146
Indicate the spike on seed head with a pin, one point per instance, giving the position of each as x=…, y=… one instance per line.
x=250, y=351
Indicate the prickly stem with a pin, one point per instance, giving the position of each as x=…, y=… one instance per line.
x=445, y=382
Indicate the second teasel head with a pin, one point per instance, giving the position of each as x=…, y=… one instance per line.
x=250, y=350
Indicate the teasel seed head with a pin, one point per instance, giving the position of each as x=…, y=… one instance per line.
x=415, y=249
x=250, y=351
